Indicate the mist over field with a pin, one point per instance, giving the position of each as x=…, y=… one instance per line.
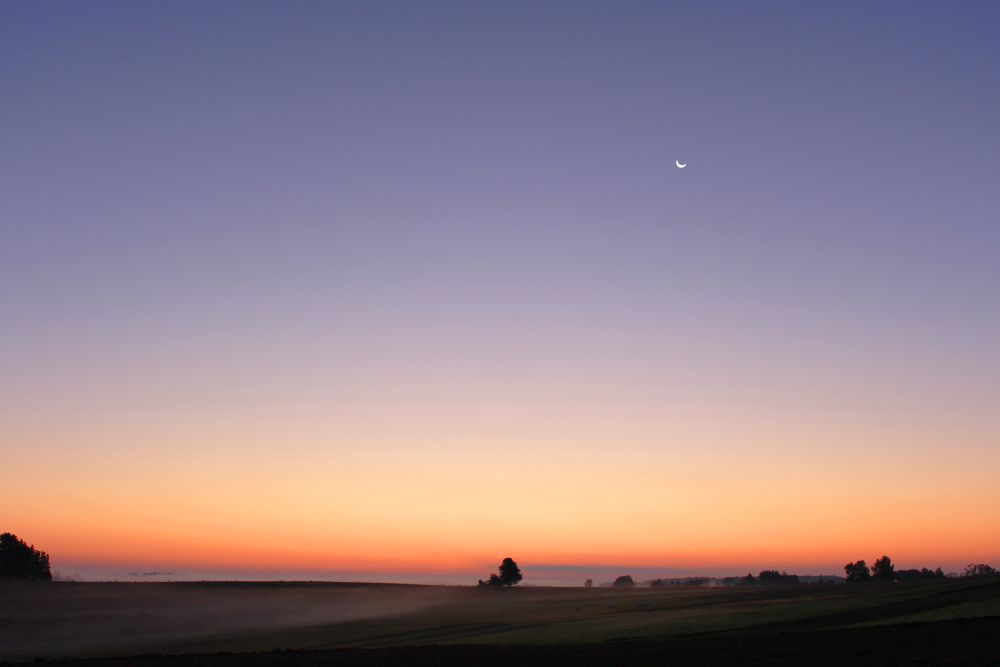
x=103, y=619
x=127, y=619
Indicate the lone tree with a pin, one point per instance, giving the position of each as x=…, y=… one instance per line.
x=624, y=581
x=19, y=560
x=884, y=569
x=857, y=572
x=510, y=573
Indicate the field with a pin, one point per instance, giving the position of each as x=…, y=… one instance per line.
x=949, y=621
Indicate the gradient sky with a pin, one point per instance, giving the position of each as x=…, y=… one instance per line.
x=405, y=288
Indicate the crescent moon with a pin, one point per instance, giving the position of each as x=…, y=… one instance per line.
x=679, y=165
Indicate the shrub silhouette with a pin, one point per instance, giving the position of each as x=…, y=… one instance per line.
x=18, y=560
x=494, y=581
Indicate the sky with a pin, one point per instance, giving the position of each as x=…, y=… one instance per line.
x=393, y=290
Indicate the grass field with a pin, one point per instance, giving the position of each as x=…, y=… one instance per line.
x=325, y=623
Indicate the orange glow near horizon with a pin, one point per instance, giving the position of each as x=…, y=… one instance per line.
x=454, y=511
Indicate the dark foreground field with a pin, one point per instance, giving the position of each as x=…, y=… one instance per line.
x=940, y=622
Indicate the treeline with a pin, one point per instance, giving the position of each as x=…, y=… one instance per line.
x=20, y=560
x=856, y=572
x=764, y=578
x=884, y=570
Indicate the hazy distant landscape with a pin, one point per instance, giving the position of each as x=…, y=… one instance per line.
x=946, y=620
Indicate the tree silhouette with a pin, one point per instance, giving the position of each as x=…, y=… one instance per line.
x=589, y=583
x=19, y=560
x=770, y=577
x=922, y=573
x=510, y=573
x=978, y=570
x=884, y=569
x=857, y=572
x=624, y=581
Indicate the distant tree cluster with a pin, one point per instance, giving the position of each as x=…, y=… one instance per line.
x=978, y=570
x=857, y=572
x=19, y=560
x=748, y=580
x=773, y=578
x=922, y=573
x=884, y=570
x=509, y=574
x=661, y=583
x=766, y=578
